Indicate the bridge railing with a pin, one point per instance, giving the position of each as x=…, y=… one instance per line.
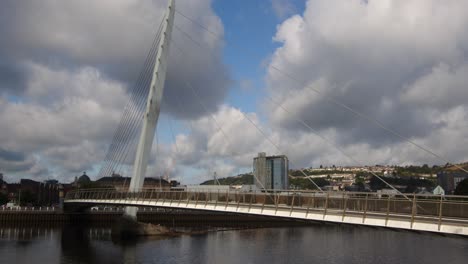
x=409, y=205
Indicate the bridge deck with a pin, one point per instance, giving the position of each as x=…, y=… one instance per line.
x=447, y=214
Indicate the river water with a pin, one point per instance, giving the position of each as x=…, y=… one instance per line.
x=315, y=244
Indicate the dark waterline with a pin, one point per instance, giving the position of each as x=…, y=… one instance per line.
x=316, y=244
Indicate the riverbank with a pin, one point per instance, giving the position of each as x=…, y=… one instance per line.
x=166, y=218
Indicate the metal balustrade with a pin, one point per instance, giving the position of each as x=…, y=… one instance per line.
x=410, y=206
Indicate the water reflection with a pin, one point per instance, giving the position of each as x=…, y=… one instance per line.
x=317, y=244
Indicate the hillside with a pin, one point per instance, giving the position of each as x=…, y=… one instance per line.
x=246, y=178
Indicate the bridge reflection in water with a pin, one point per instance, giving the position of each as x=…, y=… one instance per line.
x=443, y=214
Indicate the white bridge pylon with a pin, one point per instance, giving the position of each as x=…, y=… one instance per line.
x=153, y=107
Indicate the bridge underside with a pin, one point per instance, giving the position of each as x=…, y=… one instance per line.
x=304, y=213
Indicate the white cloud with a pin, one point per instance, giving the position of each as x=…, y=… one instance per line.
x=66, y=68
x=114, y=37
x=401, y=62
x=443, y=88
x=282, y=8
x=64, y=118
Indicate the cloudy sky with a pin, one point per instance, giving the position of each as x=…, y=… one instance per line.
x=272, y=76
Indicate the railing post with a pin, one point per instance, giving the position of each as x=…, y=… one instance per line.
x=365, y=209
x=196, y=199
x=326, y=205
x=151, y=195
x=277, y=197
x=206, y=197
x=227, y=199
x=292, y=203
x=440, y=212
x=180, y=198
x=158, y=195
x=163, y=195
x=264, y=201
x=250, y=205
x=313, y=199
x=388, y=210
x=345, y=201
x=308, y=205
x=413, y=210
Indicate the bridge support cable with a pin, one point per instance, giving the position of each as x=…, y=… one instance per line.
x=132, y=107
x=127, y=128
x=153, y=107
x=180, y=105
x=331, y=143
x=338, y=103
x=122, y=129
x=299, y=120
x=215, y=121
x=125, y=136
x=244, y=115
x=177, y=149
x=173, y=136
x=199, y=99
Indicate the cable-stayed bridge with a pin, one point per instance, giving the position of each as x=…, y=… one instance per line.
x=133, y=140
x=447, y=214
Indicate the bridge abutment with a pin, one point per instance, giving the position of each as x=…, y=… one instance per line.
x=127, y=226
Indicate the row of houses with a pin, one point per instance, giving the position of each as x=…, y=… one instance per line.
x=30, y=192
x=50, y=193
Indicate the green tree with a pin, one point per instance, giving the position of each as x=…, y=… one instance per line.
x=27, y=198
x=3, y=199
x=462, y=188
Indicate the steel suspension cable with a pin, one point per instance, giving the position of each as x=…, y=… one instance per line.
x=302, y=122
x=133, y=107
x=328, y=141
x=121, y=134
x=339, y=103
x=246, y=117
x=380, y=178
